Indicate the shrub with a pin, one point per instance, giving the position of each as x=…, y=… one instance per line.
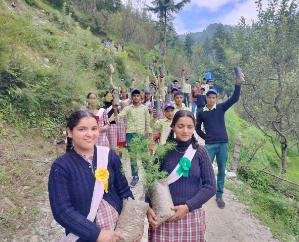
x=57, y=3
x=30, y=2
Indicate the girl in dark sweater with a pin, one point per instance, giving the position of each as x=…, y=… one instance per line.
x=72, y=181
x=190, y=191
x=112, y=132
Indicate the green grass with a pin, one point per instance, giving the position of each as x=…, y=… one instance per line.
x=263, y=194
x=265, y=158
x=293, y=168
x=251, y=139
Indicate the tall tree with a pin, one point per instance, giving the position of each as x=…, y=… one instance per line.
x=165, y=9
x=270, y=57
x=188, y=46
x=218, y=44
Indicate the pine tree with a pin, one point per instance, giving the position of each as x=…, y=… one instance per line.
x=165, y=10
x=188, y=46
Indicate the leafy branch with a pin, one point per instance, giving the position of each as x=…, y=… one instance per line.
x=151, y=162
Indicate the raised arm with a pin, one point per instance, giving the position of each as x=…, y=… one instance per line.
x=233, y=99
x=236, y=95
x=120, y=115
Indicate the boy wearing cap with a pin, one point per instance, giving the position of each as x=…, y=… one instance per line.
x=215, y=135
x=138, y=122
x=162, y=126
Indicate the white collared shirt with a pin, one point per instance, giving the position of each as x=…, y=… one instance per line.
x=207, y=109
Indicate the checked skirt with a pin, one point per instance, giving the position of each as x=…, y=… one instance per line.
x=191, y=228
x=107, y=216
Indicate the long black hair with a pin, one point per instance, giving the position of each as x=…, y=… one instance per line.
x=73, y=121
x=107, y=104
x=179, y=114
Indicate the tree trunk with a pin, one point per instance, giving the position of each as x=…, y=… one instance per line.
x=284, y=149
x=165, y=37
x=236, y=154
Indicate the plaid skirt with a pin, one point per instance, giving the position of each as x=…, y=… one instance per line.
x=103, y=139
x=112, y=136
x=107, y=216
x=191, y=228
x=121, y=135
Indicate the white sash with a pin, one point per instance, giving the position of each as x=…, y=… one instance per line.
x=98, y=191
x=109, y=109
x=174, y=176
x=100, y=112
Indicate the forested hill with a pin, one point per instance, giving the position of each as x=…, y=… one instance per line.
x=52, y=53
x=207, y=33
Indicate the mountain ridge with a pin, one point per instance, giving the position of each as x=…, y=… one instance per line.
x=207, y=33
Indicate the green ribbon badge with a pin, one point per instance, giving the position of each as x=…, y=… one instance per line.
x=184, y=167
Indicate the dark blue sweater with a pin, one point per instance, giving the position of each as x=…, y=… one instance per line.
x=200, y=101
x=71, y=184
x=199, y=187
x=213, y=121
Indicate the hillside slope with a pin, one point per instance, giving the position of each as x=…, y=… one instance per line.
x=48, y=62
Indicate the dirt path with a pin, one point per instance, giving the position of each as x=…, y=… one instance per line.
x=232, y=224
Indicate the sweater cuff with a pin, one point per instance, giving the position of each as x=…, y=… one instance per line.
x=94, y=234
x=190, y=206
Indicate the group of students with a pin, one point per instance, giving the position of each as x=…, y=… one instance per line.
x=89, y=168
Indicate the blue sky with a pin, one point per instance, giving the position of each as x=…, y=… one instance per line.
x=198, y=14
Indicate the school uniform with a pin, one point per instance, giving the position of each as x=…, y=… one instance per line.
x=71, y=184
x=112, y=132
x=138, y=123
x=122, y=125
x=176, y=108
x=163, y=127
x=200, y=102
x=215, y=134
x=194, y=191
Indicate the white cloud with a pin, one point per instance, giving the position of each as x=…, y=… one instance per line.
x=179, y=26
x=246, y=9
